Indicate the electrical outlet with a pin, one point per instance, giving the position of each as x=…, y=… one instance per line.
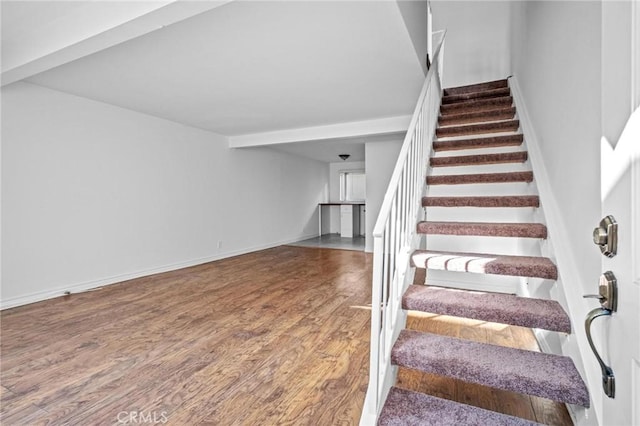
x=219, y=243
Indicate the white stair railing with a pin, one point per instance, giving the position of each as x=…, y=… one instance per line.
x=395, y=237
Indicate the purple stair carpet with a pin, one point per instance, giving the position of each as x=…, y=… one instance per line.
x=493, y=201
x=479, y=128
x=477, y=87
x=480, y=178
x=492, y=307
x=473, y=160
x=475, y=143
x=505, y=113
x=407, y=408
x=493, y=93
x=533, y=373
x=482, y=263
x=484, y=229
x=476, y=105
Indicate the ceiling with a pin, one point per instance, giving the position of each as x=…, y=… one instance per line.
x=327, y=150
x=244, y=67
x=33, y=29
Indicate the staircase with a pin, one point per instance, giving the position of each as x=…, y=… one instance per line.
x=480, y=229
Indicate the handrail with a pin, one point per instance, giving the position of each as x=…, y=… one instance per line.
x=395, y=236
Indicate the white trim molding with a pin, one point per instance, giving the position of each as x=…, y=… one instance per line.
x=380, y=126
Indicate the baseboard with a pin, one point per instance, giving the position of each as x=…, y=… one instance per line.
x=97, y=284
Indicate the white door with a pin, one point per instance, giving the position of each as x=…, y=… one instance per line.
x=621, y=331
x=620, y=193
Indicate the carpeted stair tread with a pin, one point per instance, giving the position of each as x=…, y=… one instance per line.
x=476, y=87
x=485, y=229
x=480, y=178
x=493, y=307
x=408, y=408
x=478, y=128
x=476, y=105
x=492, y=93
x=479, y=159
x=483, y=201
x=477, y=116
x=517, y=370
x=473, y=143
x=484, y=263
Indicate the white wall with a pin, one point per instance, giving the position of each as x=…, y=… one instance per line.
x=414, y=15
x=560, y=80
x=617, y=55
x=477, y=47
x=94, y=194
x=380, y=159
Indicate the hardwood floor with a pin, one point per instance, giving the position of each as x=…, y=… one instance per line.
x=276, y=337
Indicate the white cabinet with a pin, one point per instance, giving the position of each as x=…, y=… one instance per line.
x=350, y=218
x=346, y=221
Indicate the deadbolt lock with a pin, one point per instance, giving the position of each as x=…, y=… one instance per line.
x=606, y=236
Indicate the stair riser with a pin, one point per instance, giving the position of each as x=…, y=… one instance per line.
x=471, y=190
x=451, y=148
x=450, y=110
x=481, y=150
x=476, y=244
x=480, y=179
x=477, y=129
x=476, y=282
x=480, y=214
x=495, y=93
x=472, y=88
x=476, y=105
x=477, y=118
x=511, y=232
x=483, y=202
x=466, y=162
x=471, y=144
x=486, y=168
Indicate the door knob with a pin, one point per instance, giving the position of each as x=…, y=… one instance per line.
x=607, y=292
x=606, y=236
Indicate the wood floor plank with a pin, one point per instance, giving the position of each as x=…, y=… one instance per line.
x=550, y=412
